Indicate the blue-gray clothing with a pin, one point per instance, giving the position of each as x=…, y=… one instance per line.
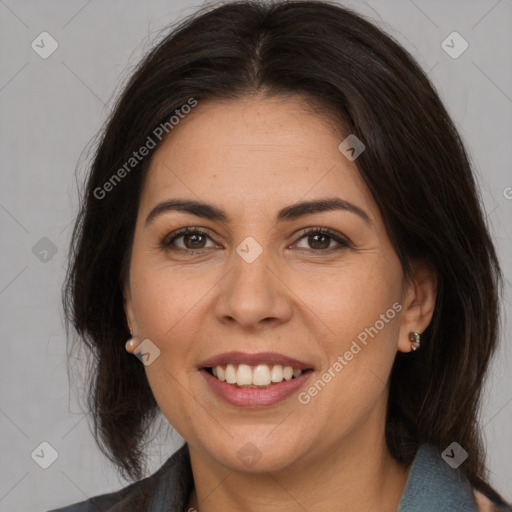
x=432, y=485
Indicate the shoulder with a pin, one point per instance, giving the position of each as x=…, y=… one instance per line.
x=485, y=504
x=170, y=484
x=120, y=500
x=434, y=484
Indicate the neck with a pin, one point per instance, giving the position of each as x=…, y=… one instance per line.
x=353, y=476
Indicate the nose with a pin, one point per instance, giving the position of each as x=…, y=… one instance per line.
x=253, y=294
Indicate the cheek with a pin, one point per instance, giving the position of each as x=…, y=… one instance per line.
x=352, y=297
x=163, y=305
x=360, y=307
x=156, y=306
x=163, y=297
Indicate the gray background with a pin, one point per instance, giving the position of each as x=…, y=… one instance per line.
x=50, y=110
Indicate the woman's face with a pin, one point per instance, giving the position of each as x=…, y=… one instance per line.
x=257, y=283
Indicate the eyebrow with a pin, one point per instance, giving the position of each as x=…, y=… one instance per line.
x=288, y=213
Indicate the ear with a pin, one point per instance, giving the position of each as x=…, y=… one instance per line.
x=129, y=312
x=420, y=298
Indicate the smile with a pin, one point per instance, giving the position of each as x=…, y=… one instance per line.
x=254, y=380
x=262, y=375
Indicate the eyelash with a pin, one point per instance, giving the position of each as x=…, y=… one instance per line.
x=169, y=240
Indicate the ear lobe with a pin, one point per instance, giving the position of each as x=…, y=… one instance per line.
x=419, y=306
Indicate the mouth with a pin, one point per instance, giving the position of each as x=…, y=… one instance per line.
x=254, y=380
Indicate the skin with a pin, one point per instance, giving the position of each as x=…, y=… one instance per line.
x=251, y=157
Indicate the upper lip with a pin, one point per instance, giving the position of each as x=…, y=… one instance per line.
x=254, y=360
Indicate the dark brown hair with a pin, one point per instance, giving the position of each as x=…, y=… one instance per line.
x=415, y=165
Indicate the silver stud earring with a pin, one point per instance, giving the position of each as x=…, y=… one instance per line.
x=415, y=339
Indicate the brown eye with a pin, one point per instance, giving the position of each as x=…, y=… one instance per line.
x=320, y=239
x=193, y=239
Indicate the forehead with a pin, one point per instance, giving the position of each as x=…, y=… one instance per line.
x=257, y=151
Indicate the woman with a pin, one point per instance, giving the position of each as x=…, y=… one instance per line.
x=282, y=220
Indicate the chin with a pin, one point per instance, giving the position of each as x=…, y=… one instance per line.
x=253, y=454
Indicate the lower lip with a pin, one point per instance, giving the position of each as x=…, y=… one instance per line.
x=255, y=397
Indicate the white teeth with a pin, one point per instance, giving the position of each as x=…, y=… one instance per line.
x=230, y=374
x=244, y=375
x=253, y=376
x=277, y=373
x=261, y=375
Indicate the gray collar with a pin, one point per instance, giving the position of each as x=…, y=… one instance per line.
x=433, y=485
